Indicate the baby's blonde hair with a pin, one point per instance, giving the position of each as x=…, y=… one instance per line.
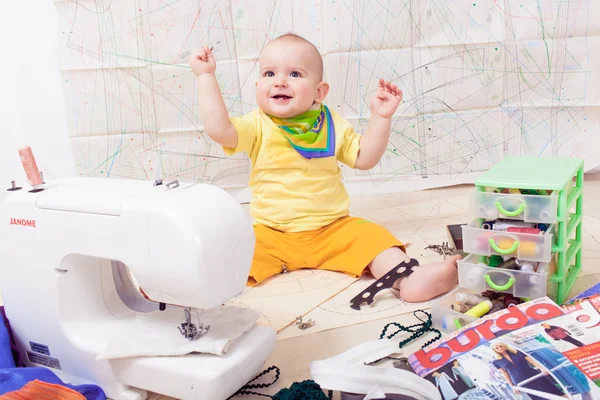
x=497, y=355
x=298, y=38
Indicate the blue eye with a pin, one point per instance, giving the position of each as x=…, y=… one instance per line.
x=295, y=74
x=269, y=73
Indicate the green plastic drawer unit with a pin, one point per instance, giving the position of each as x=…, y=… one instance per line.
x=546, y=190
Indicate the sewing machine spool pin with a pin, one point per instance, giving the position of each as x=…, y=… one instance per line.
x=13, y=187
x=188, y=329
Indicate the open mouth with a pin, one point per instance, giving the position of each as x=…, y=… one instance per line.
x=281, y=97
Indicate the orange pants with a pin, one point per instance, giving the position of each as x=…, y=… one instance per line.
x=348, y=245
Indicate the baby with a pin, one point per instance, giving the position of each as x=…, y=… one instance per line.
x=299, y=205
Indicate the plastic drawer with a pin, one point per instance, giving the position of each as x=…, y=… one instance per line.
x=527, y=208
x=523, y=246
x=442, y=315
x=480, y=277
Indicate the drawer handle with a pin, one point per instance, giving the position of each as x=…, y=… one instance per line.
x=510, y=213
x=497, y=249
x=491, y=283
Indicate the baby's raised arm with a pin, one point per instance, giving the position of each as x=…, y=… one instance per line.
x=212, y=110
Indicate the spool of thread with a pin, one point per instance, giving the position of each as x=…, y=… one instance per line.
x=535, y=279
x=542, y=227
x=480, y=309
x=491, y=294
x=469, y=298
x=30, y=166
x=503, y=226
x=517, y=229
x=472, y=277
x=510, y=300
x=525, y=248
x=497, y=305
x=494, y=260
x=525, y=267
x=499, y=302
x=461, y=307
x=489, y=225
x=511, y=263
x=450, y=324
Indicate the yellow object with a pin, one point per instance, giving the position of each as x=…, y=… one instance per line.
x=480, y=309
x=460, y=307
x=289, y=192
x=514, y=191
x=348, y=245
x=524, y=250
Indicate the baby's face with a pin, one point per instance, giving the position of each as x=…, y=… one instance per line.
x=290, y=79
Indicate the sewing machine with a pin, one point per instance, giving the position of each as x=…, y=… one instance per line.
x=74, y=255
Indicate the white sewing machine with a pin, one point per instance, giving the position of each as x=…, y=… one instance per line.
x=66, y=256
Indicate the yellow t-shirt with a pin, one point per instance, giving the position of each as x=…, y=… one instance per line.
x=291, y=193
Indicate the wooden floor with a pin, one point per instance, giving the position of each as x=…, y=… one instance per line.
x=293, y=355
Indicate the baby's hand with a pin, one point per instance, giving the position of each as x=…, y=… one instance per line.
x=387, y=99
x=203, y=62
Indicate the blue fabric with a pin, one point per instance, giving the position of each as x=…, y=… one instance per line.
x=6, y=357
x=12, y=378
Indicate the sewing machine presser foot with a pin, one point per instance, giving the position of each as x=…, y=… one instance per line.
x=189, y=330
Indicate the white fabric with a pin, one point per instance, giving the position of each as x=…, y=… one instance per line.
x=347, y=372
x=157, y=333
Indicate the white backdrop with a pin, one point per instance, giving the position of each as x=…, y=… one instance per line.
x=31, y=104
x=482, y=79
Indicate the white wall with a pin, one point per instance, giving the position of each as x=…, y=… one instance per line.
x=481, y=80
x=31, y=101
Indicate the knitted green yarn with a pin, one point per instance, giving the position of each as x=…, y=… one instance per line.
x=305, y=390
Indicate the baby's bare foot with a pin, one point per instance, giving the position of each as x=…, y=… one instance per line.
x=429, y=281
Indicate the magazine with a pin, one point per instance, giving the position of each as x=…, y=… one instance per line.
x=534, y=350
x=594, y=290
x=586, y=315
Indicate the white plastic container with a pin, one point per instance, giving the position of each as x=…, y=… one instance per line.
x=442, y=315
x=523, y=246
x=527, y=208
x=480, y=277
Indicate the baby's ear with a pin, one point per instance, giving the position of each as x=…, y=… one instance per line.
x=322, y=90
